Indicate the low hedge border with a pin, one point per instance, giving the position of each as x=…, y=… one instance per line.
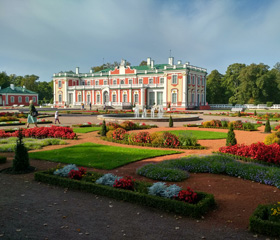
x=259, y=222
x=152, y=145
x=3, y=159
x=45, y=122
x=206, y=203
x=247, y=159
x=12, y=124
x=248, y=130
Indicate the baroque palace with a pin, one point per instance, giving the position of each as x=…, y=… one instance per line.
x=177, y=86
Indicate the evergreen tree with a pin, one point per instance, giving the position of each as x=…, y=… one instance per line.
x=239, y=114
x=103, y=129
x=170, y=122
x=231, y=140
x=255, y=113
x=21, y=160
x=267, y=127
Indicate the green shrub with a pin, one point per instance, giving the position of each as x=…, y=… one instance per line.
x=231, y=140
x=248, y=126
x=260, y=222
x=21, y=159
x=103, y=129
x=267, y=127
x=170, y=121
x=157, y=172
x=269, y=104
x=187, y=139
x=224, y=123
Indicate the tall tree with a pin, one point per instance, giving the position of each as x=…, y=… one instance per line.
x=143, y=63
x=4, y=80
x=231, y=81
x=215, y=89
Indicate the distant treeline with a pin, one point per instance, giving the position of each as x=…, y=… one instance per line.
x=44, y=89
x=244, y=84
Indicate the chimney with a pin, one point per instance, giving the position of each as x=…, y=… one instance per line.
x=77, y=70
x=179, y=62
x=152, y=63
x=171, y=61
x=148, y=61
x=12, y=86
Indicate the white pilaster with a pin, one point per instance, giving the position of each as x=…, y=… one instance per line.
x=184, y=90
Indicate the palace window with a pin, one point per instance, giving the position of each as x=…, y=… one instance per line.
x=189, y=79
x=159, y=98
x=151, y=81
x=193, y=80
x=174, y=97
x=140, y=81
x=96, y=83
x=26, y=99
x=136, y=98
x=114, y=98
x=98, y=98
x=124, y=97
x=60, y=98
x=105, y=82
x=174, y=79
x=19, y=99
x=115, y=82
x=130, y=81
x=34, y=99
x=12, y=99
x=161, y=80
x=79, y=97
x=122, y=82
x=59, y=84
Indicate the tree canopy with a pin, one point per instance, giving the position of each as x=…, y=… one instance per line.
x=252, y=84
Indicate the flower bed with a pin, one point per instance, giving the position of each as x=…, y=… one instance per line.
x=264, y=222
x=157, y=139
x=13, y=123
x=204, y=201
x=257, y=151
x=214, y=164
x=43, y=132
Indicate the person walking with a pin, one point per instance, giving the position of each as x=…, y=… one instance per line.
x=32, y=115
x=56, y=117
x=90, y=106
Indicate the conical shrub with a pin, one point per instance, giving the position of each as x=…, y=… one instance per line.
x=170, y=122
x=231, y=140
x=103, y=129
x=21, y=159
x=267, y=127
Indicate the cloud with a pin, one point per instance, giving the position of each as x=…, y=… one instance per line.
x=60, y=35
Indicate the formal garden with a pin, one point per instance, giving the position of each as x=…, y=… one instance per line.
x=89, y=166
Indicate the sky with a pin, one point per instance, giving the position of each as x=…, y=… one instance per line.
x=44, y=37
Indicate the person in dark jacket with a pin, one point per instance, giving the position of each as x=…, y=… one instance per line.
x=31, y=118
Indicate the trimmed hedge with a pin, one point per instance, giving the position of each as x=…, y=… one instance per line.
x=3, y=159
x=248, y=130
x=260, y=223
x=206, y=201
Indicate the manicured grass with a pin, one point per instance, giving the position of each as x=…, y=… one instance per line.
x=98, y=156
x=86, y=129
x=200, y=135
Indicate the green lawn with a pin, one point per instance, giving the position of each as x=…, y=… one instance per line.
x=201, y=135
x=98, y=156
x=86, y=129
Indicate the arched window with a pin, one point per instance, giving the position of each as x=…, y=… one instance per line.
x=136, y=98
x=174, y=97
x=122, y=81
x=98, y=98
x=124, y=97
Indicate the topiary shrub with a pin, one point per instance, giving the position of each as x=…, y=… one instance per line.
x=231, y=140
x=21, y=159
x=142, y=137
x=119, y=134
x=170, y=140
x=170, y=122
x=255, y=113
x=267, y=127
x=103, y=129
x=128, y=125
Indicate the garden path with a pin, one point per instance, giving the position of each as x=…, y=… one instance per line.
x=236, y=198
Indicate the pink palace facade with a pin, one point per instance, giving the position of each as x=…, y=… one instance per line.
x=180, y=86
